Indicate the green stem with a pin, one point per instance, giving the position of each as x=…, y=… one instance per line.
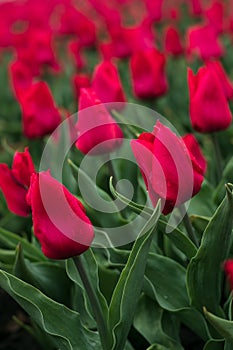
x=218, y=157
x=188, y=225
x=96, y=308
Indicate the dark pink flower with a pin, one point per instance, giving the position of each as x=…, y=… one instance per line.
x=97, y=130
x=40, y=115
x=218, y=69
x=148, y=73
x=228, y=268
x=173, y=170
x=106, y=83
x=59, y=219
x=172, y=41
x=209, y=110
x=14, y=182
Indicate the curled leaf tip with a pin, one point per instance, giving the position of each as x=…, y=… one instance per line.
x=229, y=190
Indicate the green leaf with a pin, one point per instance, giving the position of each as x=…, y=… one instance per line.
x=60, y=323
x=199, y=223
x=165, y=281
x=214, y=344
x=204, y=276
x=223, y=326
x=179, y=239
x=11, y=240
x=128, y=288
x=148, y=321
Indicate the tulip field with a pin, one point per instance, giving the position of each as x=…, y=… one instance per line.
x=116, y=174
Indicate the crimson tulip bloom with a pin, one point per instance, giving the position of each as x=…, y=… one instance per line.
x=95, y=126
x=148, y=73
x=106, y=83
x=59, y=219
x=40, y=115
x=209, y=110
x=203, y=40
x=80, y=81
x=14, y=182
x=172, y=41
x=173, y=170
x=21, y=77
x=218, y=69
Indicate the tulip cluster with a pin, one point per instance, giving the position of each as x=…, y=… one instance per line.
x=93, y=81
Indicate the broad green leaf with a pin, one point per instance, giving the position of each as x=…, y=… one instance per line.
x=165, y=281
x=199, y=223
x=204, y=276
x=223, y=326
x=60, y=323
x=148, y=321
x=214, y=344
x=7, y=256
x=128, y=288
x=11, y=240
x=50, y=278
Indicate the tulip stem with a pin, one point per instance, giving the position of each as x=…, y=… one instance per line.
x=111, y=170
x=96, y=308
x=218, y=157
x=188, y=225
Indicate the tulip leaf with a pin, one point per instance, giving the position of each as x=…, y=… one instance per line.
x=165, y=281
x=11, y=240
x=214, y=344
x=223, y=326
x=204, y=276
x=59, y=322
x=148, y=321
x=128, y=288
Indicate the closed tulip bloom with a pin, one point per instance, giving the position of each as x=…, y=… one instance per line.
x=106, y=83
x=203, y=41
x=59, y=219
x=98, y=132
x=14, y=182
x=80, y=81
x=40, y=115
x=148, y=73
x=173, y=170
x=227, y=85
x=209, y=110
x=172, y=41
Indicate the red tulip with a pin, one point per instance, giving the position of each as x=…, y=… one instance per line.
x=215, y=15
x=223, y=78
x=80, y=81
x=209, y=110
x=21, y=77
x=203, y=41
x=148, y=73
x=95, y=126
x=59, y=218
x=172, y=41
x=14, y=182
x=228, y=267
x=172, y=169
x=40, y=115
x=195, y=7
x=106, y=83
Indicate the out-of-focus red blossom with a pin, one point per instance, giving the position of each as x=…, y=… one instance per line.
x=110, y=15
x=148, y=73
x=73, y=22
x=154, y=9
x=215, y=15
x=40, y=115
x=127, y=40
x=21, y=77
x=172, y=41
x=76, y=53
x=35, y=48
x=209, y=110
x=227, y=85
x=98, y=132
x=170, y=173
x=61, y=236
x=14, y=182
x=203, y=41
x=80, y=81
x=195, y=6
x=106, y=83
x=228, y=268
